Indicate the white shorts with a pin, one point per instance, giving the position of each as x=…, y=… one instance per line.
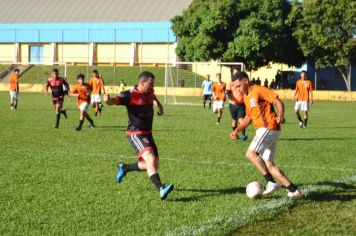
x=301, y=106
x=218, y=105
x=13, y=95
x=84, y=106
x=95, y=98
x=265, y=143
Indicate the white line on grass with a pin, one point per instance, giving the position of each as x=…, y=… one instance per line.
x=247, y=164
x=201, y=162
x=242, y=217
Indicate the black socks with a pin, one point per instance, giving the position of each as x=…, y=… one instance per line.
x=58, y=117
x=299, y=117
x=156, y=181
x=130, y=167
x=292, y=188
x=268, y=177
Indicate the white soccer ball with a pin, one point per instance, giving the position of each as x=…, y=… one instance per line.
x=254, y=190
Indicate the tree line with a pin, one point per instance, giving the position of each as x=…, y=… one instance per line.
x=261, y=31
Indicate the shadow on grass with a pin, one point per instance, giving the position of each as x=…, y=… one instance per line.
x=347, y=192
x=204, y=193
x=111, y=127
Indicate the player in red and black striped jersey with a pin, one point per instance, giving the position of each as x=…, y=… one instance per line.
x=58, y=87
x=139, y=103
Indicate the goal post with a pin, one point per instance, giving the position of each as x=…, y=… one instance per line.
x=183, y=80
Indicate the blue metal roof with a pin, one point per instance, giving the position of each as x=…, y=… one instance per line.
x=123, y=32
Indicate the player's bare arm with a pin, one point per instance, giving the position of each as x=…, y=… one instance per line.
x=46, y=89
x=246, y=121
x=280, y=107
x=110, y=101
x=159, y=105
x=229, y=95
x=296, y=94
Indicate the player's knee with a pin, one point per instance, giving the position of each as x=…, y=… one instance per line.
x=249, y=154
x=149, y=157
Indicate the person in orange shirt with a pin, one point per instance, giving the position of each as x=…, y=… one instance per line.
x=97, y=83
x=304, y=98
x=259, y=102
x=14, y=89
x=236, y=106
x=82, y=91
x=218, y=90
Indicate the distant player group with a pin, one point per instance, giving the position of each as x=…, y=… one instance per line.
x=85, y=92
x=248, y=103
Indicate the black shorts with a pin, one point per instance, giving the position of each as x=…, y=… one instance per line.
x=237, y=111
x=142, y=143
x=207, y=97
x=57, y=101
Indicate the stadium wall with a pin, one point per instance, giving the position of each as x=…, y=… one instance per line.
x=283, y=94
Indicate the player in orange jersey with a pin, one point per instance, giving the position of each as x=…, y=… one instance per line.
x=218, y=90
x=97, y=83
x=304, y=98
x=82, y=90
x=14, y=89
x=259, y=102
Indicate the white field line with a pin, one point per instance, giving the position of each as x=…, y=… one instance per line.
x=242, y=217
x=247, y=164
x=201, y=162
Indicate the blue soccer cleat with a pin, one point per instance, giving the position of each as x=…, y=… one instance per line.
x=244, y=137
x=164, y=191
x=120, y=173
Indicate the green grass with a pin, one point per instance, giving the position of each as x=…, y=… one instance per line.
x=63, y=181
x=40, y=73
x=2, y=67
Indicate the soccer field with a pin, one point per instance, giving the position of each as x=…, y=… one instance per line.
x=62, y=182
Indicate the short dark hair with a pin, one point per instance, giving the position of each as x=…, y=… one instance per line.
x=145, y=75
x=218, y=74
x=55, y=70
x=81, y=76
x=303, y=71
x=240, y=76
x=17, y=70
x=95, y=71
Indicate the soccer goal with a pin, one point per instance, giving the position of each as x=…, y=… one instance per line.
x=183, y=80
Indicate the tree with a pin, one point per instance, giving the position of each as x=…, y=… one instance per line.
x=251, y=31
x=325, y=30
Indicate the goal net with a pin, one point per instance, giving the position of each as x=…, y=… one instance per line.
x=183, y=81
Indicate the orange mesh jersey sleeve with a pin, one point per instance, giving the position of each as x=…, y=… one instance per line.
x=303, y=88
x=259, y=106
x=219, y=90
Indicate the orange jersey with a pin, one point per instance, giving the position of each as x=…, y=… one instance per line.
x=83, y=92
x=219, y=91
x=259, y=106
x=303, y=87
x=14, y=82
x=236, y=95
x=97, y=85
